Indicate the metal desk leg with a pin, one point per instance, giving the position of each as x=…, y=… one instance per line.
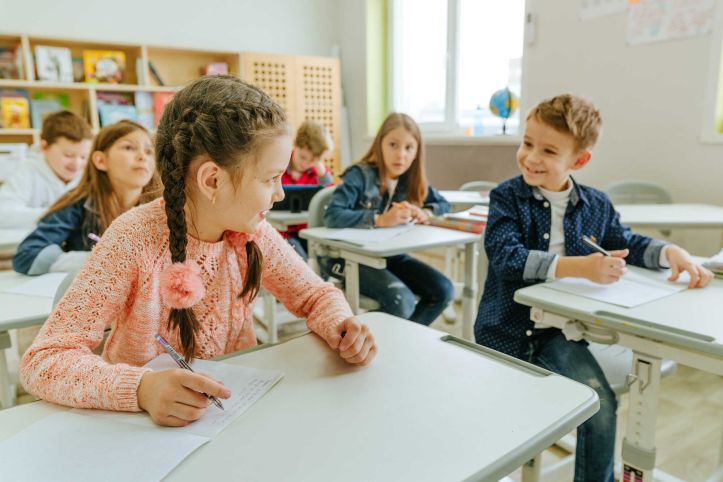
x=351, y=270
x=469, y=295
x=639, y=441
x=7, y=394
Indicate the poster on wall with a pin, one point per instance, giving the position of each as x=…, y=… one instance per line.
x=600, y=8
x=659, y=20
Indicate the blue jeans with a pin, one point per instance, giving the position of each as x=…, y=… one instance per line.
x=594, y=455
x=395, y=287
x=299, y=246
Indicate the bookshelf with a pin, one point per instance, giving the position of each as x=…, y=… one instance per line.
x=306, y=87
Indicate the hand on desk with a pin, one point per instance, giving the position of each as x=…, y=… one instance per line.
x=354, y=342
x=398, y=213
x=680, y=262
x=595, y=267
x=177, y=397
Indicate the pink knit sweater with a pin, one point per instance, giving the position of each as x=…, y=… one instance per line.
x=118, y=288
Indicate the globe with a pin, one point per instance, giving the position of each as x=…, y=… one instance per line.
x=504, y=103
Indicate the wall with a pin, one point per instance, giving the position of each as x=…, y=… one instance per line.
x=295, y=27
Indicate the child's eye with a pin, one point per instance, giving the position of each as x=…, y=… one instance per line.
x=527, y=144
x=549, y=151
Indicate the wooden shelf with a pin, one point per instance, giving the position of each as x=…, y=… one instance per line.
x=19, y=132
x=43, y=85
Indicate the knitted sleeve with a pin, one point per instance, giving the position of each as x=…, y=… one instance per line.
x=60, y=366
x=291, y=281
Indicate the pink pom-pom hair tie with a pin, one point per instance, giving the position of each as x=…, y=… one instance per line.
x=181, y=285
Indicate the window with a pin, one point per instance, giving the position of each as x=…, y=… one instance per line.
x=449, y=56
x=713, y=106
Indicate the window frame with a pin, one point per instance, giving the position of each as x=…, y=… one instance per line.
x=714, y=87
x=449, y=128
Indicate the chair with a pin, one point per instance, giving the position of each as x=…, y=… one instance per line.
x=453, y=256
x=616, y=362
x=638, y=192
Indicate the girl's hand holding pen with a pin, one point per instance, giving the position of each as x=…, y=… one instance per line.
x=398, y=213
x=177, y=397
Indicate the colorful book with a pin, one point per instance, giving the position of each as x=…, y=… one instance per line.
x=112, y=113
x=160, y=100
x=476, y=227
x=104, y=66
x=14, y=112
x=144, y=108
x=11, y=63
x=40, y=109
x=215, y=68
x=53, y=64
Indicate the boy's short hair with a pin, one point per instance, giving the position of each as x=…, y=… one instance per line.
x=65, y=124
x=572, y=115
x=314, y=136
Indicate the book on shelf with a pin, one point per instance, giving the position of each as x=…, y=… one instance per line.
x=59, y=97
x=160, y=100
x=11, y=63
x=155, y=74
x=40, y=109
x=215, y=68
x=112, y=113
x=14, y=109
x=144, y=109
x=106, y=66
x=118, y=98
x=53, y=64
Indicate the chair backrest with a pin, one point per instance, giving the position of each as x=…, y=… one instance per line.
x=638, y=192
x=479, y=186
x=318, y=205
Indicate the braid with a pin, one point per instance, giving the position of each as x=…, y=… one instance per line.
x=224, y=118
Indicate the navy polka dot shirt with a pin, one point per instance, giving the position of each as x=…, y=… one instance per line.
x=517, y=239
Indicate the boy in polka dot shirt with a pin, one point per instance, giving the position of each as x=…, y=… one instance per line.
x=534, y=234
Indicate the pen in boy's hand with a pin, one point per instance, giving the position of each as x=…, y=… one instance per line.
x=182, y=363
x=587, y=240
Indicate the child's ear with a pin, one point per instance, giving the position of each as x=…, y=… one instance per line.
x=99, y=160
x=207, y=179
x=44, y=145
x=582, y=159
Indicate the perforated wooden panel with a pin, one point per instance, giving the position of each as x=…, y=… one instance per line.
x=306, y=87
x=275, y=75
x=319, y=87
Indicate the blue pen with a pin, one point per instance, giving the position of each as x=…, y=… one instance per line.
x=182, y=363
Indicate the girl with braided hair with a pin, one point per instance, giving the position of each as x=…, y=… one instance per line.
x=188, y=267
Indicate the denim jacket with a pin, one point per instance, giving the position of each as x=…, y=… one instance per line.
x=62, y=231
x=356, y=201
x=517, y=240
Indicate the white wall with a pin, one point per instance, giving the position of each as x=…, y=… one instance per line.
x=651, y=98
x=298, y=27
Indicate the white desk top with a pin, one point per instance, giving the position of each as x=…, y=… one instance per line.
x=283, y=219
x=10, y=238
x=17, y=311
x=424, y=410
x=691, y=318
x=465, y=198
x=417, y=238
x=671, y=215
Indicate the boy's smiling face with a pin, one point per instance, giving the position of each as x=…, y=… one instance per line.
x=546, y=156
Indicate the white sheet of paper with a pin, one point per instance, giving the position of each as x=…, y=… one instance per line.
x=247, y=385
x=368, y=236
x=632, y=290
x=44, y=285
x=67, y=446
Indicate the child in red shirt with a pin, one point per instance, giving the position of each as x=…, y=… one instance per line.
x=312, y=146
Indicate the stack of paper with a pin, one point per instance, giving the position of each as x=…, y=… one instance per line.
x=472, y=220
x=715, y=264
x=103, y=445
x=632, y=290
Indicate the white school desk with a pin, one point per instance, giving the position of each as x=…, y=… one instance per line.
x=465, y=199
x=11, y=238
x=16, y=311
x=430, y=407
x=671, y=216
x=281, y=220
x=686, y=327
x=418, y=238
